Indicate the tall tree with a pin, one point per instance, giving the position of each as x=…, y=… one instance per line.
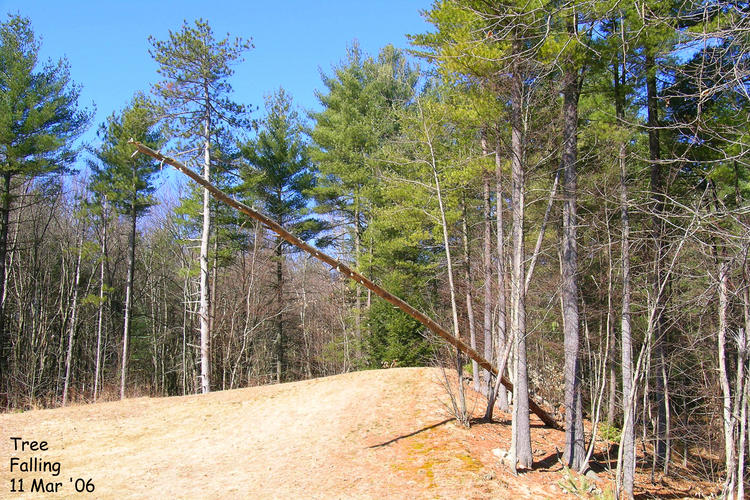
x=39, y=120
x=194, y=99
x=357, y=119
x=494, y=47
x=572, y=80
x=127, y=182
x=281, y=177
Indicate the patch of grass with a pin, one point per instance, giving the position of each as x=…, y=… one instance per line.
x=470, y=463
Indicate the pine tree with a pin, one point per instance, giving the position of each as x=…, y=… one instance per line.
x=194, y=98
x=280, y=176
x=357, y=119
x=39, y=120
x=127, y=183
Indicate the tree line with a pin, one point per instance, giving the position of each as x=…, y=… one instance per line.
x=564, y=184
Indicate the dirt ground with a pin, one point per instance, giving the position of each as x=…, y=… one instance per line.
x=373, y=434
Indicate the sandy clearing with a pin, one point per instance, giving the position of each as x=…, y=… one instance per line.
x=310, y=439
x=374, y=434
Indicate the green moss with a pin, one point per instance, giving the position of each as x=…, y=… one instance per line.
x=470, y=463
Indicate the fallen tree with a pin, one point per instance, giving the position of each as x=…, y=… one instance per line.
x=346, y=271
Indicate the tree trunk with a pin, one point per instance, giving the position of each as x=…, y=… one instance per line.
x=730, y=484
x=357, y=258
x=4, y=339
x=502, y=317
x=744, y=394
x=521, y=453
x=469, y=300
x=487, y=268
x=100, y=311
x=542, y=230
x=627, y=464
x=463, y=417
x=280, y=368
x=128, y=301
x=204, y=293
x=574, y=454
x=73, y=320
x=741, y=398
x=659, y=329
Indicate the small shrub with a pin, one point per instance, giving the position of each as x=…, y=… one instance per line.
x=609, y=432
x=580, y=486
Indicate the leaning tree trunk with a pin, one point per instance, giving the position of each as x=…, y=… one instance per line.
x=463, y=414
x=574, y=453
x=205, y=235
x=349, y=273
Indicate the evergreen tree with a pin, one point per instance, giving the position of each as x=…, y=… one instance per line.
x=39, y=120
x=194, y=99
x=127, y=183
x=280, y=176
x=357, y=119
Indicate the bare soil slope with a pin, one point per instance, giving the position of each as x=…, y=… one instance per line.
x=373, y=434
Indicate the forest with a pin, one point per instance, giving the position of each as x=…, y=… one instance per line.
x=562, y=185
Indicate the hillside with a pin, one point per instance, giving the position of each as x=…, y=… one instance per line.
x=373, y=434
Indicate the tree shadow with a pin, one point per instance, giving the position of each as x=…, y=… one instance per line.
x=482, y=420
x=547, y=462
x=386, y=443
x=604, y=460
x=666, y=495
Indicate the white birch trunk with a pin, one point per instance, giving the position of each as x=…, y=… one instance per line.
x=205, y=235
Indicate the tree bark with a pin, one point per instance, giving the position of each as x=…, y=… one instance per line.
x=730, y=483
x=502, y=317
x=521, y=454
x=73, y=319
x=574, y=454
x=204, y=293
x=100, y=311
x=128, y=300
x=4, y=223
x=659, y=329
x=627, y=464
x=469, y=300
x=280, y=368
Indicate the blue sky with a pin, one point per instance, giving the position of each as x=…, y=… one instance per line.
x=106, y=41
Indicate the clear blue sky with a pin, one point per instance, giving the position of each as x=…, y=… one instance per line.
x=106, y=43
